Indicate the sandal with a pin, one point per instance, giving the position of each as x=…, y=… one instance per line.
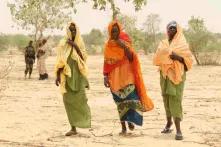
x=70, y=133
x=179, y=136
x=166, y=130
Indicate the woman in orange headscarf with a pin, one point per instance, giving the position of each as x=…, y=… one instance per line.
x=174, y=58
x=122, y=74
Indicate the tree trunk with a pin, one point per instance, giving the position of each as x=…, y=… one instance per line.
x=196, y=58
x=35, y=39
x=114, y=11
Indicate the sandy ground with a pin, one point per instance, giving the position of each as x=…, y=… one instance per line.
x=32, y=112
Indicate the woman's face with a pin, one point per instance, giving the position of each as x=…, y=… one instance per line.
x=115, y=32
x=72, y=28
x=171, y=32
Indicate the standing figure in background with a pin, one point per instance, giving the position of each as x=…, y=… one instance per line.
x=29, y=58
x=41, y=56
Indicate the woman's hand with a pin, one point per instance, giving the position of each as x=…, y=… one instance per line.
x=106, y=82
x=127, y=51
x=174, y=56
x=58, y=80
x=75, y=46
x=120, y=43
x=70, y=42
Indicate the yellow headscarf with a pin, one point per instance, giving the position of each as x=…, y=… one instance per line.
x=64, y=50
x=169, y=68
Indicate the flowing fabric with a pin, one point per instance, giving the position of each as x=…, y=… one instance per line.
x=74, y=81
x=128, y=105
x=75, y=99
x=114, y=57
x=173, y=69
x=172, y=96
x=63, y=51
x=121, y=77
x=172, y=72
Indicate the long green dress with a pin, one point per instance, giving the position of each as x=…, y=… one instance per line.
x=172, y=96
x=75, y=99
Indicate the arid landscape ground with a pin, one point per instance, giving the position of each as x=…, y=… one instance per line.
x=32, y=112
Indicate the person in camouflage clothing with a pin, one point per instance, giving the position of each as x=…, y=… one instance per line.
x=29, y=58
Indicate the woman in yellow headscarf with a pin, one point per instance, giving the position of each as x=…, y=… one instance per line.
x=71, y=72
x=122, y=74
x=173, y=58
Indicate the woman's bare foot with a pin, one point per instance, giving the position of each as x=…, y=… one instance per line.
x=131, y=126
x=179, y=135
x=123, y=133
x=124, y=128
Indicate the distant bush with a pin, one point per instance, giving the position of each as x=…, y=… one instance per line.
x=19, y=41
x=3, y=45
x=205, y=45
x=210, y=58
x=211, y=54
x=94, y=41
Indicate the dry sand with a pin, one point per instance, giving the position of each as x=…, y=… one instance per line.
x=32, y=112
